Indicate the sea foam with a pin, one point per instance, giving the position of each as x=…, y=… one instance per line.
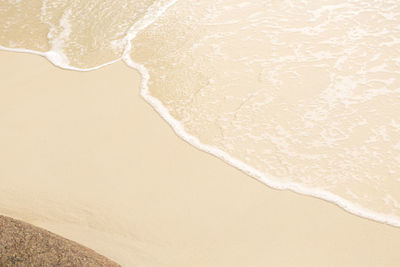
x=216, y=28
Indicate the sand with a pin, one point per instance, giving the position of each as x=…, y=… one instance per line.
x=25, y=245
x=84, y=156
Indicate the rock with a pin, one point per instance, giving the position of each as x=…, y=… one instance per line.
x=22, y=244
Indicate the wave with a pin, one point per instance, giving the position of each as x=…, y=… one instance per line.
x=186, y=52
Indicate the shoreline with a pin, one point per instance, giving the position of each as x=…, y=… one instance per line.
x=96, y=168
x=192, y=140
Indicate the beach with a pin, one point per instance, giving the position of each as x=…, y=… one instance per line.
x=85, y=157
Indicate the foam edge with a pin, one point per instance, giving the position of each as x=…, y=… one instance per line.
x=178, y=128
x=56, y=58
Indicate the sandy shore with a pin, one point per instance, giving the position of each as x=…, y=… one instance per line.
x=82, y=155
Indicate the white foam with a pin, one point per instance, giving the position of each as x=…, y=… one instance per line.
x=57, y=59
x=154, y=12
x=270, y=181
x=56, y=55
x=58, y=42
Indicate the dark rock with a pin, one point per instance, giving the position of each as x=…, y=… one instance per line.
x=22, y=244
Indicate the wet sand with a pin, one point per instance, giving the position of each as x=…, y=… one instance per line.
x=84, y=156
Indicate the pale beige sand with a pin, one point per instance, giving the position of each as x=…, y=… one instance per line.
x=83, y=156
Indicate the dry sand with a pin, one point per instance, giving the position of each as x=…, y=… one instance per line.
x=83, y=156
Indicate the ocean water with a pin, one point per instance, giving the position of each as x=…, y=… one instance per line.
x=301, y=95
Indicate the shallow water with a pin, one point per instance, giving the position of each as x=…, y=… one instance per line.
x=302, y=95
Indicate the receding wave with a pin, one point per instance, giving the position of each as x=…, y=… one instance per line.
x=302, y=95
